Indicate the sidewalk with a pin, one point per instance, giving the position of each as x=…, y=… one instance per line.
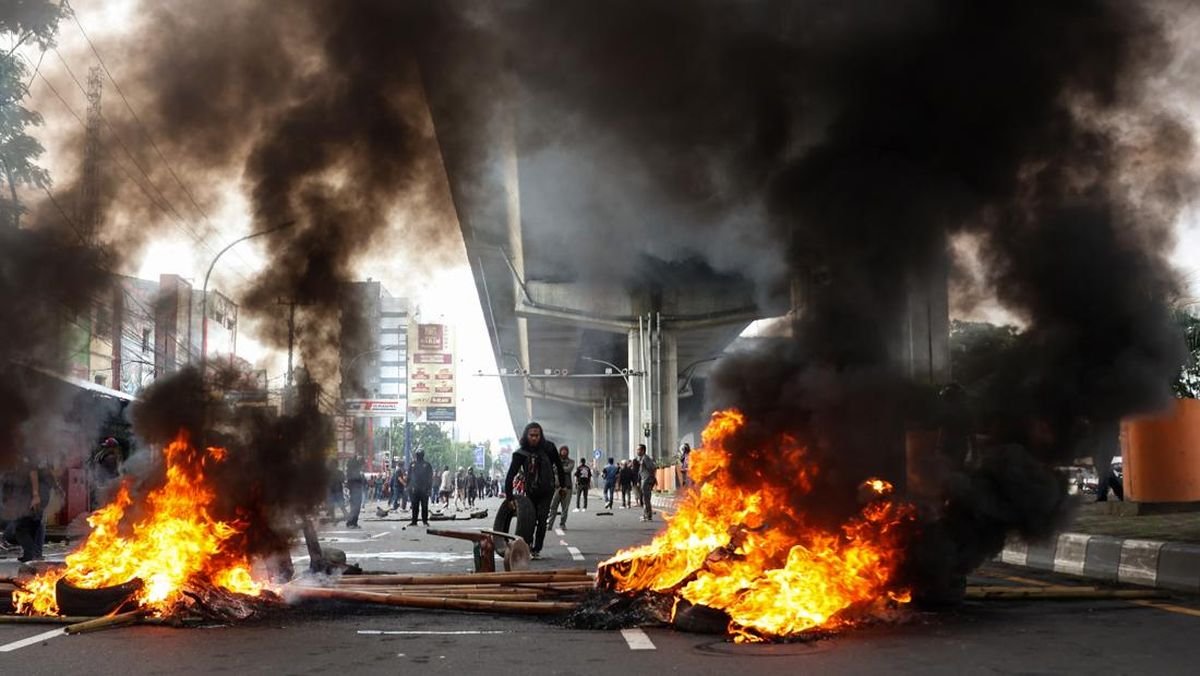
x=1159, y=550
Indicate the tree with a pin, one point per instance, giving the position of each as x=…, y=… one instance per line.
x=978, y=350
x=22, y=22
x=1187, y=383
x=428, y=437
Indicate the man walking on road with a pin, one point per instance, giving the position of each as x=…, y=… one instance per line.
x=538, y=458
x=610, y=482
x=420, y=483
x=562, y=495
x=583, y=483
x=646, y=481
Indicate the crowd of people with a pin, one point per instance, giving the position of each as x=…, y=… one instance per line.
x=405, y=486
x=542, y=472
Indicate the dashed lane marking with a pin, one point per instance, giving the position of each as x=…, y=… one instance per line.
x=575, y=553
x=1169, y=607
x=637, y=639
x=559, y=532
x=415, y=632
x=44, y=636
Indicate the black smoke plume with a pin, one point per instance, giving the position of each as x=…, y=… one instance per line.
x=838, y=145
x=275, y=469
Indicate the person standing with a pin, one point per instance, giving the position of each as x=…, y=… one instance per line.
x=646, y=481
x=636, y=464
x=538, y=459
x=583, y=483
x=356, y=482
x=626, y=477
x=609, y=474
x=447, y=485
x=685, y=461
x=561, y=504
x=26, y=491
x=337, y=494
x=420, y=484
x=399, y=489
x=472, y=487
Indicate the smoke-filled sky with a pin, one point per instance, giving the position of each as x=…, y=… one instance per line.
x=232, y=91
x=438, y=280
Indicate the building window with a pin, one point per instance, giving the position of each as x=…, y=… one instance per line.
x=103, y=322
x=145, y=341
x=100, y=380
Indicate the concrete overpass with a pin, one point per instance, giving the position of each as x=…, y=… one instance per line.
x=601, y=363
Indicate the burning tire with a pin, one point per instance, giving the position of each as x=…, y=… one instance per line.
x=522, y=508
x=78, y=601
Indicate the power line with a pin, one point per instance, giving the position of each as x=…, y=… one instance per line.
x=153, y=200
x=191, y=198
x=170, y=209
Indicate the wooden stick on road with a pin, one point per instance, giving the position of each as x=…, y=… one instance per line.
x=107, y=622
x=568, y=575
x=438, y=602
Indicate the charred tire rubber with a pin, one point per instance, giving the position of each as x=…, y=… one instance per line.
x=525, y=514
x=80, y=602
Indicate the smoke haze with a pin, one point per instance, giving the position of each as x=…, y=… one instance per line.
x=838, y=143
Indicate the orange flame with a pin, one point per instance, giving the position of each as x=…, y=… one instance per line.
x=746, y=551
x=176, y=541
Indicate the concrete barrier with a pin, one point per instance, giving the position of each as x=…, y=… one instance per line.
x=1152, y=563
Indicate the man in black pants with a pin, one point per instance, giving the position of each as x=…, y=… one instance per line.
x=357, y=483
x=583, y=484
x=420, y=483
x=535, y=456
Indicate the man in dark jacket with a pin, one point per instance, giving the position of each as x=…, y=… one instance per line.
x=356, y=482
x=534, y=444
x=420, y=484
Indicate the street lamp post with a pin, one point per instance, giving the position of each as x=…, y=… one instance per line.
x=625, y=375
x=204, y=292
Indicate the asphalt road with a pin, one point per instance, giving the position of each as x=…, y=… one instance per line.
x=1026, y=637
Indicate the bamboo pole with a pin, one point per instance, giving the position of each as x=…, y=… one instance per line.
x=439, y=602
x=75, y=619
x=577, y=575
x=42, y=619
x=107, y=622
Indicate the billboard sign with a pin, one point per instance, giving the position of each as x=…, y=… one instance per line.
x=431, y=375
x=375, y=408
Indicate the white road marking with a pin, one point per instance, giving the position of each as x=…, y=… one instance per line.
x=637, y=639
x=44, y=636
x=575, y=553
x=379, y=535
x=559, y=532
x=562, y=542
x=465, y=632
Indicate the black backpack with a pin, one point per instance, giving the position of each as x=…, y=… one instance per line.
x=539, y=472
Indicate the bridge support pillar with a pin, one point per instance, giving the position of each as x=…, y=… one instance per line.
x=637, y=379
x=600, y=430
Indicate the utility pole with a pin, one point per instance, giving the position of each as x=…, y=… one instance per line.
x=291, y=342
x=89, y=203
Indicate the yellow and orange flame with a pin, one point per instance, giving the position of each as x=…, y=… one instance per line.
x=176, y=540
x=745, y=549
